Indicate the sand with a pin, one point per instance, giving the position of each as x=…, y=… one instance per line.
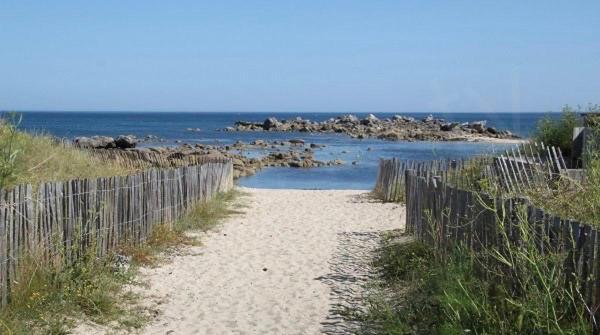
x=287, y=265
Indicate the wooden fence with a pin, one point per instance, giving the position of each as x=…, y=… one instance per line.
x=57, y=221
x=390, y=185
x=524, y=166
x=148, y=159
x=439, y=213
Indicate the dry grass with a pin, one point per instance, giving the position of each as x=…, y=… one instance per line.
x=33, y=159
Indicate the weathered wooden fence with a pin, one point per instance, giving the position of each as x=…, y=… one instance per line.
x=59, y=220
x=390, y=185
x=439, y=213
x=524, y=166
x=147, y=159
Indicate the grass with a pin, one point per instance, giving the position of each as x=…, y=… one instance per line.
x=50, y=299
x=424, y=291
x=33, y=159
x=575, y=199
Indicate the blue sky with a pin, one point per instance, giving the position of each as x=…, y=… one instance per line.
x=338, y=56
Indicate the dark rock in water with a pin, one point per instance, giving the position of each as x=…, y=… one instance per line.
x=296, y=141
x=126, y=141
x=492, y=130
x=369, y=120
x=398, y=128
x=449, y=126
x=479, y=126
x=392, y=136
x=349, y=118
x=271, y=123
x=95, y=142
x=244, y=123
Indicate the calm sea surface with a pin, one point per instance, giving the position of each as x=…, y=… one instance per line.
x=171, y=126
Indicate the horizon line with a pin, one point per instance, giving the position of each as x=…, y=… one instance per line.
x=262, y=111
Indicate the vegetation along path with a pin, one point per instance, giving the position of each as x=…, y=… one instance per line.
x=287, y=265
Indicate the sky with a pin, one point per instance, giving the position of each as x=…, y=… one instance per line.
x=313, y=56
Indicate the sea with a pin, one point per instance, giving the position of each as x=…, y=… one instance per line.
x=172, y=128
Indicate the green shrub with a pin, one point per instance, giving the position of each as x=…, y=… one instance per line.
x=558, y=132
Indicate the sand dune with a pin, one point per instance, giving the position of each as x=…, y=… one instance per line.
x=285, y=266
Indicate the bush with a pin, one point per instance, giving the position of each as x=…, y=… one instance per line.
x=558, y=132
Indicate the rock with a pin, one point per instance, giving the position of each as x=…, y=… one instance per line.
x=398, y=128
x=369, y=120
x=296, y=141
x=492, y=130
x=348, y=118
x=270, y=123
x=193, y=129
x=229, y=129
x=448, y=126
x=479, y=126
x=391, y=136
x=314, y=145
x=126, y=141
x=95, y=142
x=354, y=162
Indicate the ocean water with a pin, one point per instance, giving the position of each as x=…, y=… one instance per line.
x=171, y=127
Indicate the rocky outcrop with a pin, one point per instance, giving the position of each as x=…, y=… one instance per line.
x=292, y=153
x=95, y=142
x=397, y=128
x=106, y=142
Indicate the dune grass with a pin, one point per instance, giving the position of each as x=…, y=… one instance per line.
x=33, y=159
x=51, y=299
x=426, y=291
x=47, y=299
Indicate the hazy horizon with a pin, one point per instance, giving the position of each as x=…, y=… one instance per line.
x=270, y=112
x=313, y=57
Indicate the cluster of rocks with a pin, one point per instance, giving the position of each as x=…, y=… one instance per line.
x=396, y=128
x=107, y=142
x=294, y=153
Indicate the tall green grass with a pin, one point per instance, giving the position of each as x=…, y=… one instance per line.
x=422, y=290
x=29, y=158
x=48, y=298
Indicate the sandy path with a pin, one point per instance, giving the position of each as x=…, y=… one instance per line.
x=280, y=268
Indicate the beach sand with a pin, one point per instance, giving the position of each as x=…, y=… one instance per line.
x=287, y=265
